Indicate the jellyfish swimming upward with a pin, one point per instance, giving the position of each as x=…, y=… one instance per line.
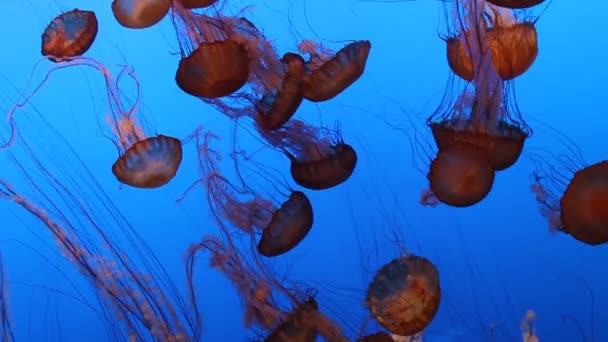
x=481, y=131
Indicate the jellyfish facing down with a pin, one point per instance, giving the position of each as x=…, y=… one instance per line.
x=404, y=295
x=146, y=160
x=70, y=34
x=139, y=14
x=320, y=159
x=484, y=121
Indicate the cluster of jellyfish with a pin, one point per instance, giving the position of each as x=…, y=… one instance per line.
x=228, y=63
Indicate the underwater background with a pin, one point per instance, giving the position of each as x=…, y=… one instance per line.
x=496, y=259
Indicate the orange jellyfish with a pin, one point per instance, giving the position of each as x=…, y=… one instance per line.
x=328, y=73
x=320, y=159
x=70, y=34
x=214, y=63
x=512, y=44
x=139, y=14
x=582, y=209
x=146, y=159
x=515, y=4
x=482, y=131
x=282, y=227
x=404, y=295
x=299, y=325
x=377, y=337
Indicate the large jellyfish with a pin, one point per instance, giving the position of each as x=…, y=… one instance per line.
x=573, y=196
x=404, y=295
x=282, y=226
x=483, y=131
x=146, y=160
x=131, y=285
x=515, y=4
x=69, y=34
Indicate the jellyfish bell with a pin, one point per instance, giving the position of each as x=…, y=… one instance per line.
x=515, y=4
x=461, y=175
x=139, y=14
x=278, y=106
x=404, y=295
x=214, y=64
x=333, y=166
x=512, y=45
x=70, y=34
x=288, y=227
x=329, y=74
x=149, y=163
x=503, y=146
x=584, y=205
x=377, y=337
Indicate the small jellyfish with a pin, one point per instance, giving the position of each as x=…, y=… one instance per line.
x=146, y=159
x=214, y=63
x=70, y=34
x=299, y=325
x=320, y=159
x=515, y=4
x=512, y=45
x=404, y=295
x=329, y=74
x=139, y=14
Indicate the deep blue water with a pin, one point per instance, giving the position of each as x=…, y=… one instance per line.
x=496, y=259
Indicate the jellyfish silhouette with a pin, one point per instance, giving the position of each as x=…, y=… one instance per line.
x=139, y=14
x=69, y=34
x=145, y=160
x=377, y=337
x=282, y=227
x=320, y=159
x=328, y=73
x=482, y=131
x=404, y=295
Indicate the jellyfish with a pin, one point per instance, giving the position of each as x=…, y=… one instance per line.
x=328, y=73
x=69, y=34
x=582, y=209
x=320, y=159
x=527, y=327
x=377, y=337
x=404, y=295
x=515, y=4
x=483, y=131
x=139, y=14
x=146, y=160
x=214, y=64
x=282, y=227
x=511, y=44
x=89, y=231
